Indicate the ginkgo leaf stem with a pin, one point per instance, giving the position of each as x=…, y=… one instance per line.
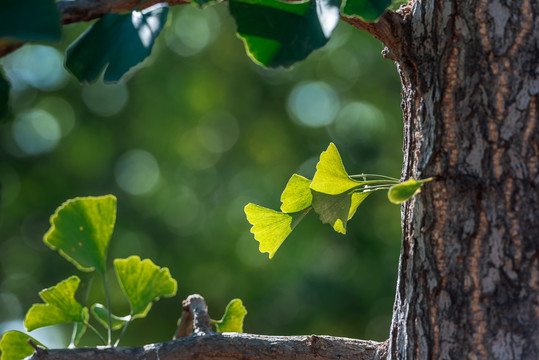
x=374, y=188
x=123, y=330
x=109, y=312
x=96, y=332
x=373, y=175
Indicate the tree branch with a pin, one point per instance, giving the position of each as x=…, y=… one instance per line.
x=206, y=344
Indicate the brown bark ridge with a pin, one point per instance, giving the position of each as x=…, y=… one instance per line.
x=202, y=343
x=468, y=282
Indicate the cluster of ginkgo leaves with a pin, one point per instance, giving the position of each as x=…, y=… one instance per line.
x=332, y=194
x=80, y=231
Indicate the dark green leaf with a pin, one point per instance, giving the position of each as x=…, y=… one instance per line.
x=143, y=282
x=81, y=229
x=14, y=345
x=232, y=320
x=60, y=306
x=37, y=20
x=117, y=42
x=369, y=10
x=280, y=34
x=336, y=210
x=204, y=3
x=101, y=313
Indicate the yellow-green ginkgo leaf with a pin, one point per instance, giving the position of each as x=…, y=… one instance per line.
x=271, y=227
x=101, y=313
x=331, y=177
x=143, y=282
x=399, y=193
x=357, y=199
x=232, y=320
x=81, y=229
x=60, y=306
x=14, y=345
x=297, y=194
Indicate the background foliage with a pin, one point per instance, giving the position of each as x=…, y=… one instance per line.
x=196, y=133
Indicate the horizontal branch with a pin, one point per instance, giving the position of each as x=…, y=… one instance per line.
x=229, y=346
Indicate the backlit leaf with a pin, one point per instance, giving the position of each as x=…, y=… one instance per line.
x=369, y=10
x=30, y=20
x=81, y=229
x=232, y=320
x=100, y=312
x=143, y=282
x=336, y=210
x=331, y=177
x=277, y=33
x=117, y=42
x=271, y=227
x=60, y=306
x=14, y=345
x=404, y=191
x=357, y=199
x=297, y=194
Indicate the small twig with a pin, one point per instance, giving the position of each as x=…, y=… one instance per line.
x=39, y=350
x=194, y=318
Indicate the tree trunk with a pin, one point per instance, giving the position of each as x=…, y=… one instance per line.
x=469, y=269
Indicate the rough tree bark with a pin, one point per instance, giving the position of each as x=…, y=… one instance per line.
x=468, y=284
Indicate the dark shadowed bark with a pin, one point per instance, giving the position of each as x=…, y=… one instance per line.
x=468, y=284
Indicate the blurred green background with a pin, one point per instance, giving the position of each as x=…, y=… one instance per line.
x=185, y=142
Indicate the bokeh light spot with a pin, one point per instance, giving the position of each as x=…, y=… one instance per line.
x=218, y=131
x=36, y=131
x=137, y=172
x=105, y=99
x=358, y=122
x=313, y=104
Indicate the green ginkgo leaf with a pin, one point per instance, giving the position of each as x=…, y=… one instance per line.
x=232, y=320
x=60, y=306
x=336, y=210
x=331, y=177
x=116, y=42
x=369, y=10
x=357, y=199
x=30, y=20
x=14, y=345
x=101, y=313
x=271, y=227
x=81, y=229
x=297, y=194
x=399, y=193
x=143, y=282
x=278, y=33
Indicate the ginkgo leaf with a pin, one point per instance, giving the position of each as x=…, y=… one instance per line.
x=357, y=199
x=336, y=210
x=271, y=227
x=101, y=313
x=116, y=42
x=297, y=194
x=60, y=306
x=143, y=282
x=232, y=320
x=277, y=33
x=81, y=229
x=30, y=20
x=331, y=177
x=14, y=345
x=369, y=10
x=399, y=193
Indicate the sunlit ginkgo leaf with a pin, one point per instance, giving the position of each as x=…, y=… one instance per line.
x=399, y=193
x=271, y=227
x=297, y=194
x=232, y=320
x=14, y=345
x=331, y=177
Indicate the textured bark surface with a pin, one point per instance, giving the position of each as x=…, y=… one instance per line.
x=469, y=269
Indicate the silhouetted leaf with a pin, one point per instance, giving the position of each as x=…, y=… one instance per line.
x=60, y=306
x=37, y=20
x=143, y=282
x=232, y=320
x=81, y=229
x=276, y=33
x=117, y=42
